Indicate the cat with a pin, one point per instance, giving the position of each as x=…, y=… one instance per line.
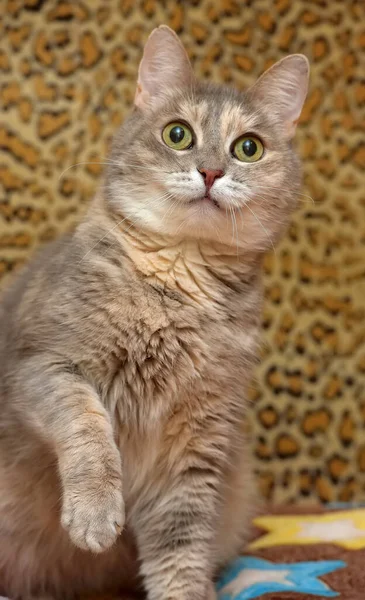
x=126, y=347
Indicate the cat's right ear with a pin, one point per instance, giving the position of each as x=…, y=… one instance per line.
x=164, y=66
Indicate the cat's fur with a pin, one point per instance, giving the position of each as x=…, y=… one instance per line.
x=126, y=348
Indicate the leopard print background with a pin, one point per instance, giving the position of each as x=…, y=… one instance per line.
x=68, y=72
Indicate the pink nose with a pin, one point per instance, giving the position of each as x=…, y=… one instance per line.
x=210, y=175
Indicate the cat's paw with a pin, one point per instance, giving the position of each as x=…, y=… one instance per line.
x=93, y=520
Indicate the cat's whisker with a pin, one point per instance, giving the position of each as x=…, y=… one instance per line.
x=230, y=218
x=270, y=200
x=122, y=164
x=270, y=187
x=267, y=188
x=137, y=166
x=262, y=226
x=179, y=228
x=111, y=163
x=240, y=212
x=119, y=163
x=155, y=200
x=132, y=224
x=171, y=207
x=263, y=199
x=234, y=227
x=232, y=222
x=103, y=238
x=218, y=234
x=282, y=189
x=79, y=164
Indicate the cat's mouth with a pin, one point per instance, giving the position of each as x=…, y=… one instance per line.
x=206, y=200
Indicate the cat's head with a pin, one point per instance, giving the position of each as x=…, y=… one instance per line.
x=197, y=160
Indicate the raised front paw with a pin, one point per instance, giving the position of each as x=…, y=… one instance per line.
x=93, y=519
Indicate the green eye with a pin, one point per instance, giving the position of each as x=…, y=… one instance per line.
x=177, y=136
x=248, y=148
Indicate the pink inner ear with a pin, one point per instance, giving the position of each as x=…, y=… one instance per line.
x=164, y=66
x=141, y=98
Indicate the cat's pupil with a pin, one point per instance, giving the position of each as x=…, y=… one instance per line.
x=249, y=147
x=177, y=134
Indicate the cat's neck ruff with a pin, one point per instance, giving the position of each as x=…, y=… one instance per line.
x=201, y=270
x=190, y=265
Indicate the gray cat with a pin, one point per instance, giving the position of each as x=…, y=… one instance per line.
x=126, y=347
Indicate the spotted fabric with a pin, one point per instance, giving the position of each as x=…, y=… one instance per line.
x=67, y=81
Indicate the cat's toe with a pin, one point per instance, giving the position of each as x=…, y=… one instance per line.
x=98, y=540
x=94, y=523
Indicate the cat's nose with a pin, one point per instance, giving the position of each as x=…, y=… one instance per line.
x=210, y=175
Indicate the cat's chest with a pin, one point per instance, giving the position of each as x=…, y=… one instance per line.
x=154, y=352
x=155, y=347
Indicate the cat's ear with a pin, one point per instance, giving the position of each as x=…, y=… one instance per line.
x=283, y=89
x=164, y=66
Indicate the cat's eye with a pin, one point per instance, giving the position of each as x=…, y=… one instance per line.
x=248, y=148
x=178, y=136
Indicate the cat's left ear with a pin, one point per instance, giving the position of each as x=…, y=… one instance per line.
x=165, y=66
x=283, y=89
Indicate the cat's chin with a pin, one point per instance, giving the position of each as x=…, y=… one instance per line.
x=206, y=201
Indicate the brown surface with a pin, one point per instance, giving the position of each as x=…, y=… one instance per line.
x=349, y=582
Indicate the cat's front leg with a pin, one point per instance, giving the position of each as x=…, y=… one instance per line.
x=176, y=523
x=68, y=414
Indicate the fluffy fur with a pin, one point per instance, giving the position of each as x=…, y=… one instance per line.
x=126, y=348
